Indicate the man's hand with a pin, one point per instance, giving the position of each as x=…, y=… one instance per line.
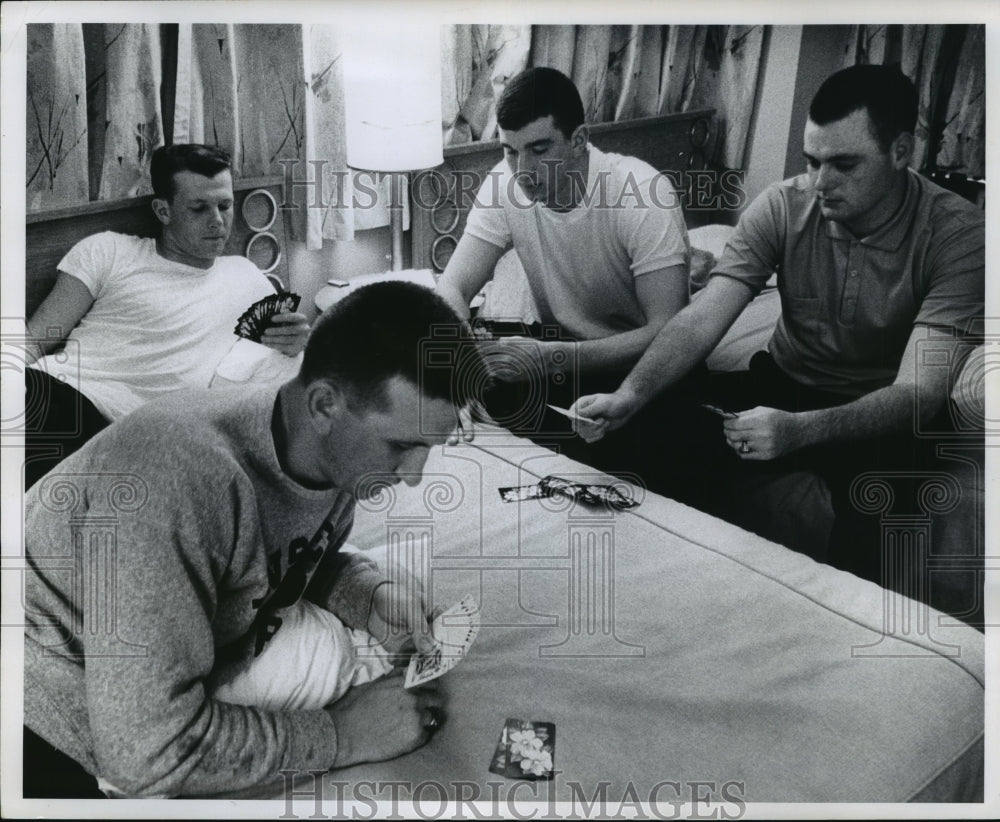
x=603, y=412
x=382, y=720
x=287, y=334
x=400, y=619
x=465, y=430
x=764, y=433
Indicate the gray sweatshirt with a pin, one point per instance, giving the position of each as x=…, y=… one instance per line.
x=157, y=553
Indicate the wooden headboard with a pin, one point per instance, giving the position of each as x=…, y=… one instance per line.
x=671, y=142
x=50, y=234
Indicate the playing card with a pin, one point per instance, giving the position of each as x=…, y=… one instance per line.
x=729, y=415
x=454, y=630
x=287, y=302
x=526, y=750
x=517, y=493
x=567, y=413
x=499, y=762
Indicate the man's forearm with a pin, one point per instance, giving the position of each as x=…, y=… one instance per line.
x=888, y=411
x=616, y=352
x=674, y=351
x=451, y=295
x=686, y=339
x=37, y=344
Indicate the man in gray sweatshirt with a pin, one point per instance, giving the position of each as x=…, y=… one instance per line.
x=167, y=547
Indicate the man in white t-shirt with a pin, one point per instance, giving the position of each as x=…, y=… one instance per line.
x=143, y=317
x=602, y=241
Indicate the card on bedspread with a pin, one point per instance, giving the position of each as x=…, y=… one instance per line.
x=666, y=645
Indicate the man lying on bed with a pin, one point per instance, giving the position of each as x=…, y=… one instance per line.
x=602, y=241
x=872, y=260
x=144, y=317
x=231, y=510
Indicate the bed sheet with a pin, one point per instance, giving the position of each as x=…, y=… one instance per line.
x=670, y=649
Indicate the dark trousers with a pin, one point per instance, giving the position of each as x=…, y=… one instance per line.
x=59, y=420
x=51, y=774
x=873, y=486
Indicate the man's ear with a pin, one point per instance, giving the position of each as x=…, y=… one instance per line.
x=326, y=403
x=161, y=208
x=579, y=138
x=901, y=150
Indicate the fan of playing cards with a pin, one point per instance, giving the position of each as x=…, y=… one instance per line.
x=257, y=318
x=454, y=632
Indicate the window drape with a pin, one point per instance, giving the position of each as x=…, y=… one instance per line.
x=948, y=65
x=621, y=71
x=102, y=97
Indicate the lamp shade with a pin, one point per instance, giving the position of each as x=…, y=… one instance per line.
x=392, y=97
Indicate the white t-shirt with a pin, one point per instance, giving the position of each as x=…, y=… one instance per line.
x=581, y=265
x=155, y=326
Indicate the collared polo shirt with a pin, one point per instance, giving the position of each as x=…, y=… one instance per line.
x=849, y=304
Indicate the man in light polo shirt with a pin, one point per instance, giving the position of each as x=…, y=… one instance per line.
x=874, y=262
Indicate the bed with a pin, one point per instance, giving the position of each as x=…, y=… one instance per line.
x=669, y=648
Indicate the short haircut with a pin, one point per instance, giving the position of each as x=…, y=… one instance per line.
x=201, y=159
x=394, y=329
x=887, y=94
x=536, y=93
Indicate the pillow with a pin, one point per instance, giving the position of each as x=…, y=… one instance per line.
x=707, y=244
x=507, y=296
x=248, y=361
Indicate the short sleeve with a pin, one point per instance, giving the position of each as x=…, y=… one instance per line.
x=656, y=234
x=488, y=218
x=956, y=281
x=92, y=261
x=754, y=250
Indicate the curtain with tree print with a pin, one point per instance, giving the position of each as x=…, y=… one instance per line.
x=947, y=64
x=102, y=97
x=621, y=71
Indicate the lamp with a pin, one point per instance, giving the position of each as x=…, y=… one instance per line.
x=392, y=105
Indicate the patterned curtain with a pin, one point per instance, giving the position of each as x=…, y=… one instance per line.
x=133, y=124
x=947, y=64
x=56, y=117
x=102, y=97
x=621, y=71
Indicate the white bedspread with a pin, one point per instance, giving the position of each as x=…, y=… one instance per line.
x=668, y=645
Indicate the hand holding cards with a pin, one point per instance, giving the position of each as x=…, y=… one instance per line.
x=726, y=415
x=454, y=632
x=257, y=318
x=581, y=425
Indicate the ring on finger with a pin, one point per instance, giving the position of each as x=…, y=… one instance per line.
x=435, y=718
x=744, y=447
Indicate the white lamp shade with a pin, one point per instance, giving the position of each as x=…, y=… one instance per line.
x=392, y=97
